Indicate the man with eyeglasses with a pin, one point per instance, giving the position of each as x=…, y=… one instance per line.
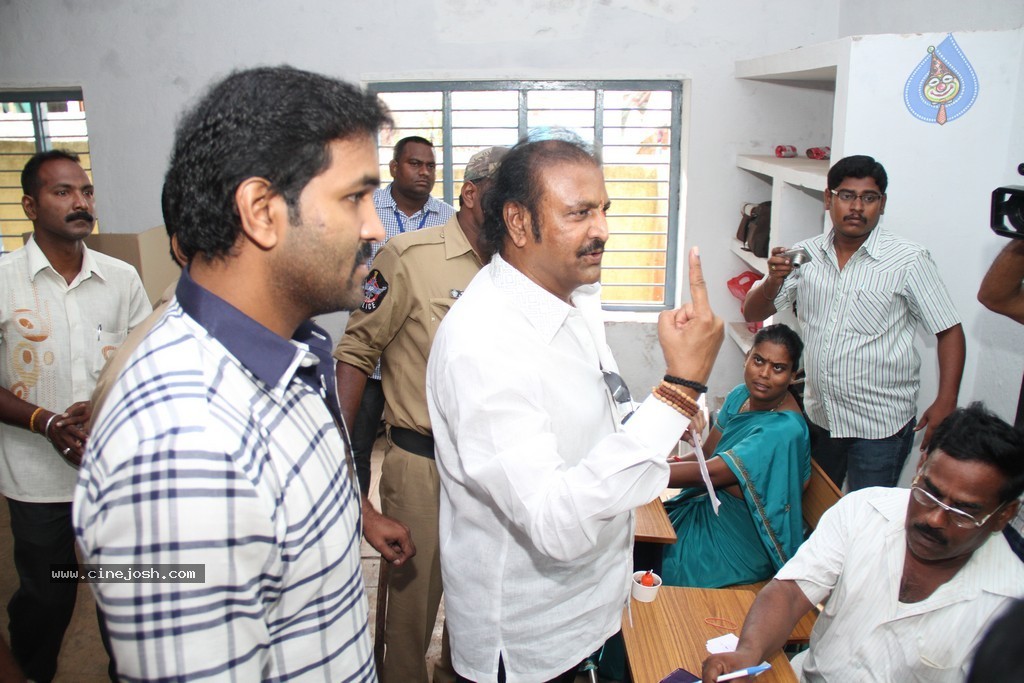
x=859, y=302
x=909, y=578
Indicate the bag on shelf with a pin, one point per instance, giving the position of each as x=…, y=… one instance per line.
x=755, y=224
x=739, y=286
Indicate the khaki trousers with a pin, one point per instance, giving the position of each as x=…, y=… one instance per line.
x=410, y=492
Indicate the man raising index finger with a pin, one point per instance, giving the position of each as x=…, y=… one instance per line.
x=538, y=469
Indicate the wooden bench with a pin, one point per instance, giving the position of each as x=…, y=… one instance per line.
x=821, y=494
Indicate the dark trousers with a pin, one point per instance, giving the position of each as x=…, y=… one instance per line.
x=40, y=610
x=567, y=677
x=364, y=431
x=867, y=462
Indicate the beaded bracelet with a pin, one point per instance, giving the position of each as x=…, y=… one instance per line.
x=671, y=399
x=32, y=420
x=696, y=386
x=686, y=398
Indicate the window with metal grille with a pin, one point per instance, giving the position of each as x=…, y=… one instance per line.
x=34, y=121
x=633, y=125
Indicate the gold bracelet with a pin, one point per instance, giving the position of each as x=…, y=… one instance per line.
x=32, y=420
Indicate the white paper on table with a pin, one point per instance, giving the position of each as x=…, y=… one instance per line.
x=726, y=643
x=715, y=503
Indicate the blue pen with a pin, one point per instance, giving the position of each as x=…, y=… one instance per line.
x=749, y=671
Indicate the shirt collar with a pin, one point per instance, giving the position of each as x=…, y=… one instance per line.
x=271, y=358
x=38, y=262
x=870, y=245
x=383, y=199
x=545, y=311
x=987, y=570
x=455, y=241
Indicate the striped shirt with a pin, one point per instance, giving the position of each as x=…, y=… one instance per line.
x=218, y=445
x=395, y=222
x=855, y=559
x=858, y=325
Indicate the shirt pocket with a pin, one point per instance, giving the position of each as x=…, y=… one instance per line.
x=106, y=346
x=869, y=311
x=438, y=309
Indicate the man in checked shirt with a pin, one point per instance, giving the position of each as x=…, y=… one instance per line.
x=221, y=443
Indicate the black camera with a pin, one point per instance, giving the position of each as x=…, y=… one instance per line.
x=1007, y=215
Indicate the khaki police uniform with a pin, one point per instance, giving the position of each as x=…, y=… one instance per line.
x=416, y=278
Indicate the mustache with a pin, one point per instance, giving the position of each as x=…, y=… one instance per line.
x=79, y=216
x=591, y=247
x=363, y=254
x=931, y=533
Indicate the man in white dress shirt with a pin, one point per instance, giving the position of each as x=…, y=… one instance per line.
x=910, y=578
x=539, y=474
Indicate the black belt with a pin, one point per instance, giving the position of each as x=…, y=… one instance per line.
x=414, y=442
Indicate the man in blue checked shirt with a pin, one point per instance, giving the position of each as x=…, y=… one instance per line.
x=221, y=443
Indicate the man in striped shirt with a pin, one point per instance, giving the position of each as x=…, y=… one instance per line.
x=859, y=302
x=220, y=446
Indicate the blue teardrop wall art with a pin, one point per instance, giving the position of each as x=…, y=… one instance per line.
x=943, y=86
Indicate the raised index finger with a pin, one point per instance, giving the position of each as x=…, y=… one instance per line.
x=698, y=288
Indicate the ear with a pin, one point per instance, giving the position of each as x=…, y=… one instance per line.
x=828, y=199
x=517, y=223
x=28, y=205
x=264, y=213
x=469, y=196
x=1004, y=516
x=393, y=167
x=881, y=205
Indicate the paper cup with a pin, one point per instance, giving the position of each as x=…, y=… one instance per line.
x=645, y=593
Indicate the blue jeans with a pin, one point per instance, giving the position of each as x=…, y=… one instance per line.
x=863, y=462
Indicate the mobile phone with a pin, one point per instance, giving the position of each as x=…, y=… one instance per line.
x=681, y=676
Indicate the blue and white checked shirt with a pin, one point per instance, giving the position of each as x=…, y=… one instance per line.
x=217, y=446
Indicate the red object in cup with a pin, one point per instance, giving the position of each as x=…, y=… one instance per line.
x=785, y=151
x=648, y=578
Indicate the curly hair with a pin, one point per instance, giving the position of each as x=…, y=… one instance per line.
x=274, y=123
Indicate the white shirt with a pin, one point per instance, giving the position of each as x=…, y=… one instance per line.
x=538, y=478
x=859, y=324
x=855, y=559
x=55, y=338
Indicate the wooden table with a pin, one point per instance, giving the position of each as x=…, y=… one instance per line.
x=652, y=525
x=671, y=633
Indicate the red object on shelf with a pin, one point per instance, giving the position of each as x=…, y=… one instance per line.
x=785, y=151
x=739, y=286
x=819, y=153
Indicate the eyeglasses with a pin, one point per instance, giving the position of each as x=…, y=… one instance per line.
x=848, y=196
x=619, y=391
x=958, y=517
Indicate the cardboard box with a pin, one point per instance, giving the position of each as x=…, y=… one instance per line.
x=148, y=251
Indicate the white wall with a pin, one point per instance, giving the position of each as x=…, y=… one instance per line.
x=140, y=63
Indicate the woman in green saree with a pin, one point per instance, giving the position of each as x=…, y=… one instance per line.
x=759, y=468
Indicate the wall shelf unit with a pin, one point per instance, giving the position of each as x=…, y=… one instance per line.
x=797, y=184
